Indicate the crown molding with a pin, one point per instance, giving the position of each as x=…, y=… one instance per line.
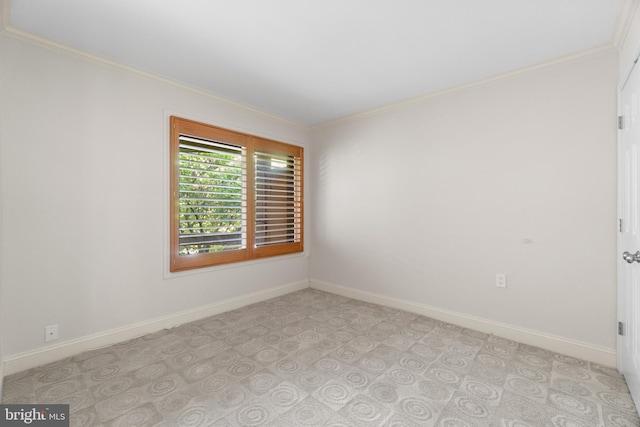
x=9, y=31
x=580, y=56
x=625, y=17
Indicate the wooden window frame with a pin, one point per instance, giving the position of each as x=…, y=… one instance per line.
x=185, y=127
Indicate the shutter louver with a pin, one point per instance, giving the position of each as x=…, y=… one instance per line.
x=234, y=197
x=211, y=203
x=278, y=213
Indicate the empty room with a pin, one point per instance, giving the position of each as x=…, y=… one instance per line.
x=330, y=213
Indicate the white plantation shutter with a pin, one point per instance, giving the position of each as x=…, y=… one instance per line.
x=212, y=209
x=278, y=214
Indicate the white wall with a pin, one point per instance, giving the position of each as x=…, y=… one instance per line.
x=84, y=162
x=427, y=202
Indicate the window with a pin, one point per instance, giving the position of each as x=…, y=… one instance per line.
x=234, y=197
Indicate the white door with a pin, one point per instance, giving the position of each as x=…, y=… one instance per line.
x=629, y=236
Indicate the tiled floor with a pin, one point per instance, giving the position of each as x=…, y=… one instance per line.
x=316, y=359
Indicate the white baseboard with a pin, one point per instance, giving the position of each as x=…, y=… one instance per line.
x=592, y=353
x=30, y=359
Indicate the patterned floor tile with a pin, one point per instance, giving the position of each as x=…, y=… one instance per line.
x=435, y=391
x=398, y=420
x=578, y=407
x=418, y=410
x=363, y=410
x=232, y=397
x=53, y=392
x=482, y=390
x=520, y=410
x=261, y=382
x=334, y=394
x=284, y=396
x=116, y=385
x=468, y=410
x=615, y=418
x=142, y=416
x=525, y=387
x=79, y=400
x=175, y=402
x=383, y=392
x=310, y=379
x=311, y=358
x=120, y=404
x=355, y=378
x=84, y=418
x=443, y=375
x=193, y=415
x=213, y=384
x=339, y=421
x=309, y=413
x=252, y=414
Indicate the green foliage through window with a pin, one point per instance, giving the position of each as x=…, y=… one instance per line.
x=212, y=213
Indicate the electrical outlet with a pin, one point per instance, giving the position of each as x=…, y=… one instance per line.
x=50, y=333
x=501, y=280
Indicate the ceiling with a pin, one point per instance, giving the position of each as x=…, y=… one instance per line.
x=315, y=61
